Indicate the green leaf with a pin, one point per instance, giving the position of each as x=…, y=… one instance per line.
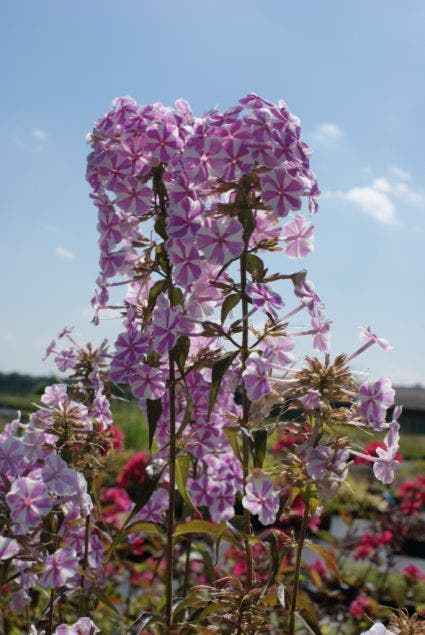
x=182, y=471
x=219, y=530
x=328, y=555
x=260, y=447
x=144, y=526
x=181, y=351
x=144, y=619
x=232, y=434
x=255, y=266
x=159, y=287
x=306, y=610
x=218, y=370
x=176, y=296
x=153, y=412
x=187, y=415
x=229, y=303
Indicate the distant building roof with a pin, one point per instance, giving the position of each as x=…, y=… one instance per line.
x=410, y=397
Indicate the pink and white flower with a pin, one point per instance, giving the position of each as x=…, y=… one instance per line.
x=28, y=500
x=220, y=240
x=256, y=377
x=298, y=236
x=148, y=382
x=262, y=499
x=282, y=191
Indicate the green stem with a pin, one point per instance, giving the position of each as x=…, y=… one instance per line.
x=83, y=598
x=245, y=420
x=296, y=584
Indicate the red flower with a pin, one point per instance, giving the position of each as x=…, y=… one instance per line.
x=133, y=472
x=117, y=438
x=359, y=606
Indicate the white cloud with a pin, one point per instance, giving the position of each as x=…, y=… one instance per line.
x=328, y=132
x=379, y=199
x=39, y=134
x=374, y=202
x=67, y=254
x=399, y=173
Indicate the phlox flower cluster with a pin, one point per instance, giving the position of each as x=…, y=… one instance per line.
x=37, y=485
x=216, y=189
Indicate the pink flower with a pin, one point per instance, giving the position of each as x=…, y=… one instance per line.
x=54, y=395
x=184, y=220
x=65, y=360
x=8, y=548
x=84, y=626
x=281, y=191
x=131, y=345
x=154, y=509
x=12, y=453
x=109, y=227
x=263, y=298
x=276, y=350
x=28, y=500
x=368, y=335
x=220, y=240
x=386, y=462
x=413, y=573
x=262, y=499
x=166, y=325
x=163, y=141
x=321, y=333
x=59, y=567
x=222, y=506
x=359, y=606
x=133, y=196
x=198, y=156
x=57, y=476
x=311, y=400
x=306, y=292
x=203, y=490
x=256, y=377
x=186, y=261
x=375, y=398
x=298, y=236
x=233, y=160
x=148, y=382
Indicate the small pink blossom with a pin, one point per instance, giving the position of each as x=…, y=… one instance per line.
x=368, y=335
x=59, y=567
x=186, y=261
x=282, y=191
x=163, y=141
x=133, y=197
x=203, y=490
x=311, y=400
x=233, y=160
x=298, y=236
x=264, y=298
x=9, y=548
x=28, y=500
x=148, y=382
x=262, y=499
x=65, y=360
x=184, y=219
x=84, y=626
x=166, y=325
x=375, y=398
x=223, y=504
x=220, y=240
x=256, y=377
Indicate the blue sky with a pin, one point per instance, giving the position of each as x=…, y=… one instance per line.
x=353, y=72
